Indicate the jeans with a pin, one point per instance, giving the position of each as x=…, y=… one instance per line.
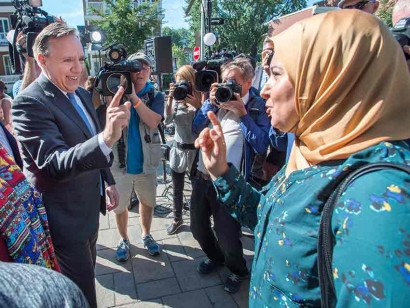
x=178, y=186
x=226, y=246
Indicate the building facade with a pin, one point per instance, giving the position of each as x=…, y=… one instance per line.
x=6, y=70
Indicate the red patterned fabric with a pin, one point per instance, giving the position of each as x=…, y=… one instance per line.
x=23, y=219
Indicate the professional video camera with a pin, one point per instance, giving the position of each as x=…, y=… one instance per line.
x=116, y=71
x=225, y=91
x=401, y=32
x=29, y=19
x=182, y=89
x=207, y=73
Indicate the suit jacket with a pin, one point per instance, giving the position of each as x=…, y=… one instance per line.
x=61, y=158
x=14, y=147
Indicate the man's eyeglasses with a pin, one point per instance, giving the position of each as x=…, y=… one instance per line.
x=358, y=6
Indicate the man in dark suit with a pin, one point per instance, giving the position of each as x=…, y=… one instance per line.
x=65, y=156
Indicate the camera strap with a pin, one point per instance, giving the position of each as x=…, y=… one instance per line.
x=152, y=94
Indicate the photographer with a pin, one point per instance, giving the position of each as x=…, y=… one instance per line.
x=246, y=125
x=143, y=155
x=183, y=101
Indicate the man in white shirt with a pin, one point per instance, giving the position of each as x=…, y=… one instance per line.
x=245, y=125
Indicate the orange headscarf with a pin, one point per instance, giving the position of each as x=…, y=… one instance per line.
x=351, y=82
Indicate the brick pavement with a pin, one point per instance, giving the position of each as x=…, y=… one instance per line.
x=168, y=280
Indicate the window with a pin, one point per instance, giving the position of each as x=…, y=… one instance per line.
x=7, y=65
x=95, y=6
x=4, y=28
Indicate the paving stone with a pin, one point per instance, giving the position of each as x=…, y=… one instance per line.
x=242, y=297
x=188, y=277
x=109, y=238
x=158, y=288
x=162, y=235
x=148, y=268
x=152, y=303
x=193, y=249
x=197, y=299
x=104, y=222
x=248, y=247
x=159, y=223
x=107, y=263
x=173, y=248
x=125, y=290
x=219, y=298
x=105, y=291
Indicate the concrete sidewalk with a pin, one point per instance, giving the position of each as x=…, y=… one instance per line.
x=168, y=280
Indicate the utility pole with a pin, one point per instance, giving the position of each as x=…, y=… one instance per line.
x=209, y=16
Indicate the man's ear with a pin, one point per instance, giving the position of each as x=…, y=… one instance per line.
x=375, y=6
x=41, y=60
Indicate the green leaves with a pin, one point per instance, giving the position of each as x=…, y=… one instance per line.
x=129, y=24
x=244, y=28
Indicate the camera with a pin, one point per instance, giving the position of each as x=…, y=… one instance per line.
x=31, y=20
x=270, y=56
x=207, y=73
x=116, y=71
x=225, y=91
x=182, y=89
x=401, y=32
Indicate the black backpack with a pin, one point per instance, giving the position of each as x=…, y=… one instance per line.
x=326, y=240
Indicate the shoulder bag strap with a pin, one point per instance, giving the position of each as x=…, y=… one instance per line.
x=326, y=240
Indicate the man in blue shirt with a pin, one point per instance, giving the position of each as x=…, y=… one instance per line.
x=143, y=155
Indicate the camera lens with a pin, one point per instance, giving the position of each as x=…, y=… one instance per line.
x=181, y=92
x=204, y=80
x=114, y=81
x=223, y=94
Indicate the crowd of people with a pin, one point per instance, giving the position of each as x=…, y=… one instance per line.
x=333, y=102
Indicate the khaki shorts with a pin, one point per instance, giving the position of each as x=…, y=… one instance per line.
x=144, y=185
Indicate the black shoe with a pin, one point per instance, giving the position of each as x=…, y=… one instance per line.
x=233, y=283
x=174, y=226
x=207, y=266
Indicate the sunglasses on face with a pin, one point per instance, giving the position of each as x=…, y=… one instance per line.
x=358, y=6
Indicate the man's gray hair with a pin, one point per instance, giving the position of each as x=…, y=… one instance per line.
x=241, y=64
x=52, y=31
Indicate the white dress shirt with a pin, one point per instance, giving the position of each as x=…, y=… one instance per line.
x=234, y=138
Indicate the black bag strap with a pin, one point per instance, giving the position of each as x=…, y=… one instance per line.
x=326, y=240
x=152, y=94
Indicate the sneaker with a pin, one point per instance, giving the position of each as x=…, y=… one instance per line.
x=123, y=250
x=233, y=283
x=151, y=245
x=207, y=266
x=174, y=226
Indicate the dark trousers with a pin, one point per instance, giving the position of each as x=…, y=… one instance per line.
x=77, y=262
x=226, y=246
x=178, y=186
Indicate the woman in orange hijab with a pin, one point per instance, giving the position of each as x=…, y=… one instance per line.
x=339, y=82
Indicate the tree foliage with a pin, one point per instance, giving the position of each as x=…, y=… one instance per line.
x=385, y=11
x=180, y=37
x=129, y=24
x=245, y=21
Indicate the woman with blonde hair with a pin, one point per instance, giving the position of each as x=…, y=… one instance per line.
x=183, y=101
x=343, y=88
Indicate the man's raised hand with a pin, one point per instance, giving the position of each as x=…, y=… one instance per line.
x=116, y=119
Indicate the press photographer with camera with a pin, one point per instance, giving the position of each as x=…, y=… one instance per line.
x=244, y=120
x=143, y=155
x=66, y=156
x=183, y=102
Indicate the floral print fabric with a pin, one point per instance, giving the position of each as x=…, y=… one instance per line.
x=371, y=224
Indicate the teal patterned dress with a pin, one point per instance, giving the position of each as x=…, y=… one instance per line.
x=371, y=223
